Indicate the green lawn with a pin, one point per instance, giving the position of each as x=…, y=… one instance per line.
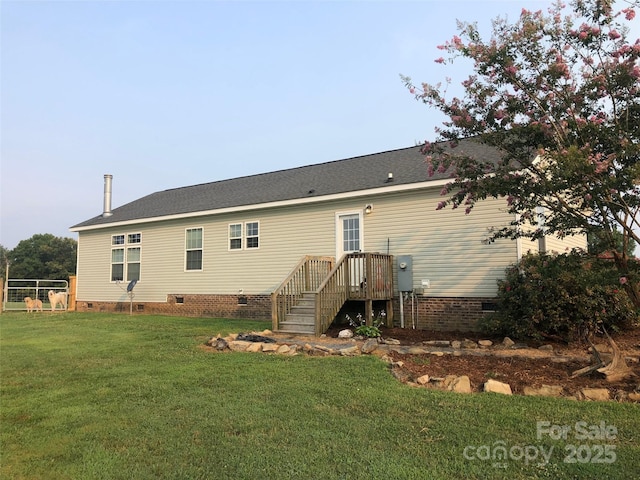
x=102, y=396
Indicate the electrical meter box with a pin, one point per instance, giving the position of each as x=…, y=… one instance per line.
x=405, y=273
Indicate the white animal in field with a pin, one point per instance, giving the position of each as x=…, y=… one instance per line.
x=33, y=304
x=57, y=298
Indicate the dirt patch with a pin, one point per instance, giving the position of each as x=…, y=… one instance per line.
x=521, y=366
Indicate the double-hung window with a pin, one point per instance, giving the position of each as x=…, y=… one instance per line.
x=126, y=257
x=193, y=249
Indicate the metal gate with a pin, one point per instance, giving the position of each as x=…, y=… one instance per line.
x=16, y=290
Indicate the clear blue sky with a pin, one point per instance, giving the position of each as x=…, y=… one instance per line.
x=163, y=94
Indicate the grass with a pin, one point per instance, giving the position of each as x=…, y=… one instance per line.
x=101, y=396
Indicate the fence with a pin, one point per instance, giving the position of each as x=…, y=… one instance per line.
x=16, y=290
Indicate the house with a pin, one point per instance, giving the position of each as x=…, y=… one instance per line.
x=303, y=242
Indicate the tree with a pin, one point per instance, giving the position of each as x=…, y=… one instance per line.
x=599, y=243
x=44, y=256
x=559, y=95
x=4, y=255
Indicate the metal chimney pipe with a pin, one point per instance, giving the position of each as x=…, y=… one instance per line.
x=107, y=196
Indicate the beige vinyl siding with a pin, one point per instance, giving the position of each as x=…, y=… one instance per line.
x=447, y=248
x=554, y=244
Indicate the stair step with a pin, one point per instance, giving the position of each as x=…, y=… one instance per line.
x=298, y=321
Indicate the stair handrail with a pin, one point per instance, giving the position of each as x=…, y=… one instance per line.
x=304, y=277
x=330, y=295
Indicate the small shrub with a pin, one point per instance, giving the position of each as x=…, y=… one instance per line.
x=569, y=295
x=364, y=330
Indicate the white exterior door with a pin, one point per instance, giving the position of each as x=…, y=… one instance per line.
x=349, y=239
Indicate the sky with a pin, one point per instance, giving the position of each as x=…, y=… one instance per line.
x=165, y=94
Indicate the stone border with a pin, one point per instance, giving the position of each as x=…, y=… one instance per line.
x=264, y=342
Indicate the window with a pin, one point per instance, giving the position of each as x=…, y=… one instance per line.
x=351, y=233
x=133, y=264
x=117, y=264
x=251, y=238
x=235, y=236
x=125, y=263
x=251, y=231
x=134, y=238
x=193, y=247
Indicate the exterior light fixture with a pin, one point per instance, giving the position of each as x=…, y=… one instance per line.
x=368, y=208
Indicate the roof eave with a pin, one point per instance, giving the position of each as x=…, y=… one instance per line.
x=259, y=206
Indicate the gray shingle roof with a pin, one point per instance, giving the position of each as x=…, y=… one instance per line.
x=340, y=176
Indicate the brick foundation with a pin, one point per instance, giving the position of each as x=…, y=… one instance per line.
x=439, y=314
x=444, y=314
x=257, y=307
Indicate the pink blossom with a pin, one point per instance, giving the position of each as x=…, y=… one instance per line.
x=613, y=34
x=412, y=90
x=588, y=197
x=511, y=70
x=623, y=280
x=467, y=210
x=439, y=60
x=630, y=13
x=440, y=205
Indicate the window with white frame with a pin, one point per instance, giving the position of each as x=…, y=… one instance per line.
x=244, y=236
x=125, y=260
x=193, y=249
x=235, y=236
x=252, y=234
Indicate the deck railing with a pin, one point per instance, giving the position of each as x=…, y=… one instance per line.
x=356, y=276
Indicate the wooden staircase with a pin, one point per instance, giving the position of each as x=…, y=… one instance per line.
x=311, y=296
x=301, y=318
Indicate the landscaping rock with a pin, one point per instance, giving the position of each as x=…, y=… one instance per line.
x=370, y=345
x=485, y=343
x=238, y=345
x=495, y=386
x=346, y=333
x=461, y=384
x=596, y=394
x=317, y=352
x=390, y=341
x=416, y=351
x=634, y=397
x=546, y=348
x=282, y=349
x=270, y=347
x=507, y=342
x=423, y=380
x=255, y=347
x=350, y=351
x=437, y=343
x=218, y=343
x=544, y=391
x=456, y=344
x=448, y=381
x=469, y=344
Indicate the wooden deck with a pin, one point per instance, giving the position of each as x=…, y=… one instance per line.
x=309, y=299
